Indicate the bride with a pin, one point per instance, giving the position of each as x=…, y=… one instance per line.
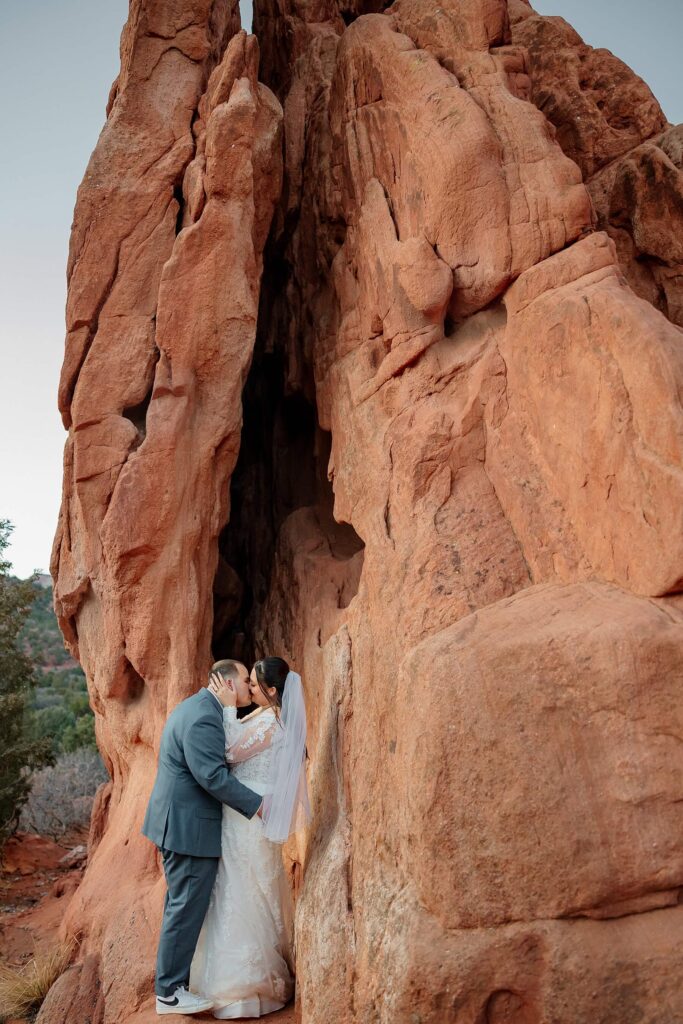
x=243, y=960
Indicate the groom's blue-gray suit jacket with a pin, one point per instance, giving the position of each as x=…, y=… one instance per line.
x=193, y=781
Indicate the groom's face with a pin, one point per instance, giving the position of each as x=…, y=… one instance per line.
x=241, y=685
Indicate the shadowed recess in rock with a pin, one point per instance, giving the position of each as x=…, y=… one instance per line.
x=282, y=467
x=127, y=685
x=137, y=414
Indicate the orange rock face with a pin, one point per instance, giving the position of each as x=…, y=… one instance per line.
x=608, y=121
x=639, y=202
x=164, y=272
x=486, y=447
x=456, y=506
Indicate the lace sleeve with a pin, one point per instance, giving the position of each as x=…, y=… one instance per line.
x=246, y=739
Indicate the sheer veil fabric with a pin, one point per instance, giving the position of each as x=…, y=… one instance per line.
x=286, y=806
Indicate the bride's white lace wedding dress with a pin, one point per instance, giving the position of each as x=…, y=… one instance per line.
x=243, y=957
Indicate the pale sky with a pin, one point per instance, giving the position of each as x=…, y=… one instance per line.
x=58, y=59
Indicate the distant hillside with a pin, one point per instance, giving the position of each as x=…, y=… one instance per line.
x=42, y=639
x=60, y=702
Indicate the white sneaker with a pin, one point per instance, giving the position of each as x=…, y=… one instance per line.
x=183, y=1001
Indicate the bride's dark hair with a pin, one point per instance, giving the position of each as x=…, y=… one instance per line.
x=272, y=671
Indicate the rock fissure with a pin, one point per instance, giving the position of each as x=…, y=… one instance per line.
x=68, y=386
x=165, y=53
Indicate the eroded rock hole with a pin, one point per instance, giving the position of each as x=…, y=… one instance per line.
x=137, y=414
x=127, y=685
x=506, y=1007
x=282, y=467
x=178, y=196
x=352, y=10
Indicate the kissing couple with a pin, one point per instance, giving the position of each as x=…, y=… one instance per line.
x=228, y=793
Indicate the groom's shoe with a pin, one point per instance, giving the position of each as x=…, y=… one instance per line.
x=183, y=1001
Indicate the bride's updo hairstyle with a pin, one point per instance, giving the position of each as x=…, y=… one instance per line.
x=272, y=672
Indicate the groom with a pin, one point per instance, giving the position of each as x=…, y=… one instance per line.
x=184, y=820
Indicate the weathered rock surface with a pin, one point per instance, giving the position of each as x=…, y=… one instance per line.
x=76, y=995
x=572, y=726
x=563, y=971
x=465, y=814
x=578, y=425
x=164, y=271
x=639, y=202
x=599, y=107
x=611, y=125
x=456, y=509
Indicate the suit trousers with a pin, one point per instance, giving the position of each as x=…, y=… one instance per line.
x=189, y=883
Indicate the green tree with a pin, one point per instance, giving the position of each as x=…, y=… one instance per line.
x=60, y=699
x=22, y=752
x=52, y=723
x=80, y=736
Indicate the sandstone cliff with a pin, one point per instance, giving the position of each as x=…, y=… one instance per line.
x=426, y=442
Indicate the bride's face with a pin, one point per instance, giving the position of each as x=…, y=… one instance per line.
x=257, y=694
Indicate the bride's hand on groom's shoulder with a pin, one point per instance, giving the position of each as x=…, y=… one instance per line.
x=223, y=689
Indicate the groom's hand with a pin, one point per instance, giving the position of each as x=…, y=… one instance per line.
x=224, y=690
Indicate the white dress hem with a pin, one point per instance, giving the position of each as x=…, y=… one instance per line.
x=247, y=1008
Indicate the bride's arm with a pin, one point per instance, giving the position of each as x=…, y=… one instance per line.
x=245, y=739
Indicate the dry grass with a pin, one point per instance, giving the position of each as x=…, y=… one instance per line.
x=22, y=989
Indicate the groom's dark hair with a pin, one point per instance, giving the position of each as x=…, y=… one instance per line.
x=228, y=668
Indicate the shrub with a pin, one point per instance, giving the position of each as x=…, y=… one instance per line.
x=62, y=795
x=22, y=752
x=62, y=709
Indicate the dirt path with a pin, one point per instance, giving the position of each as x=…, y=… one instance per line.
x=34, y=889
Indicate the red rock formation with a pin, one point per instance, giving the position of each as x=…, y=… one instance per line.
x=476, y=767
x=609, y=122
x=639, y=202
x=589, y=370
x=164, y=271
x=469, y=549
